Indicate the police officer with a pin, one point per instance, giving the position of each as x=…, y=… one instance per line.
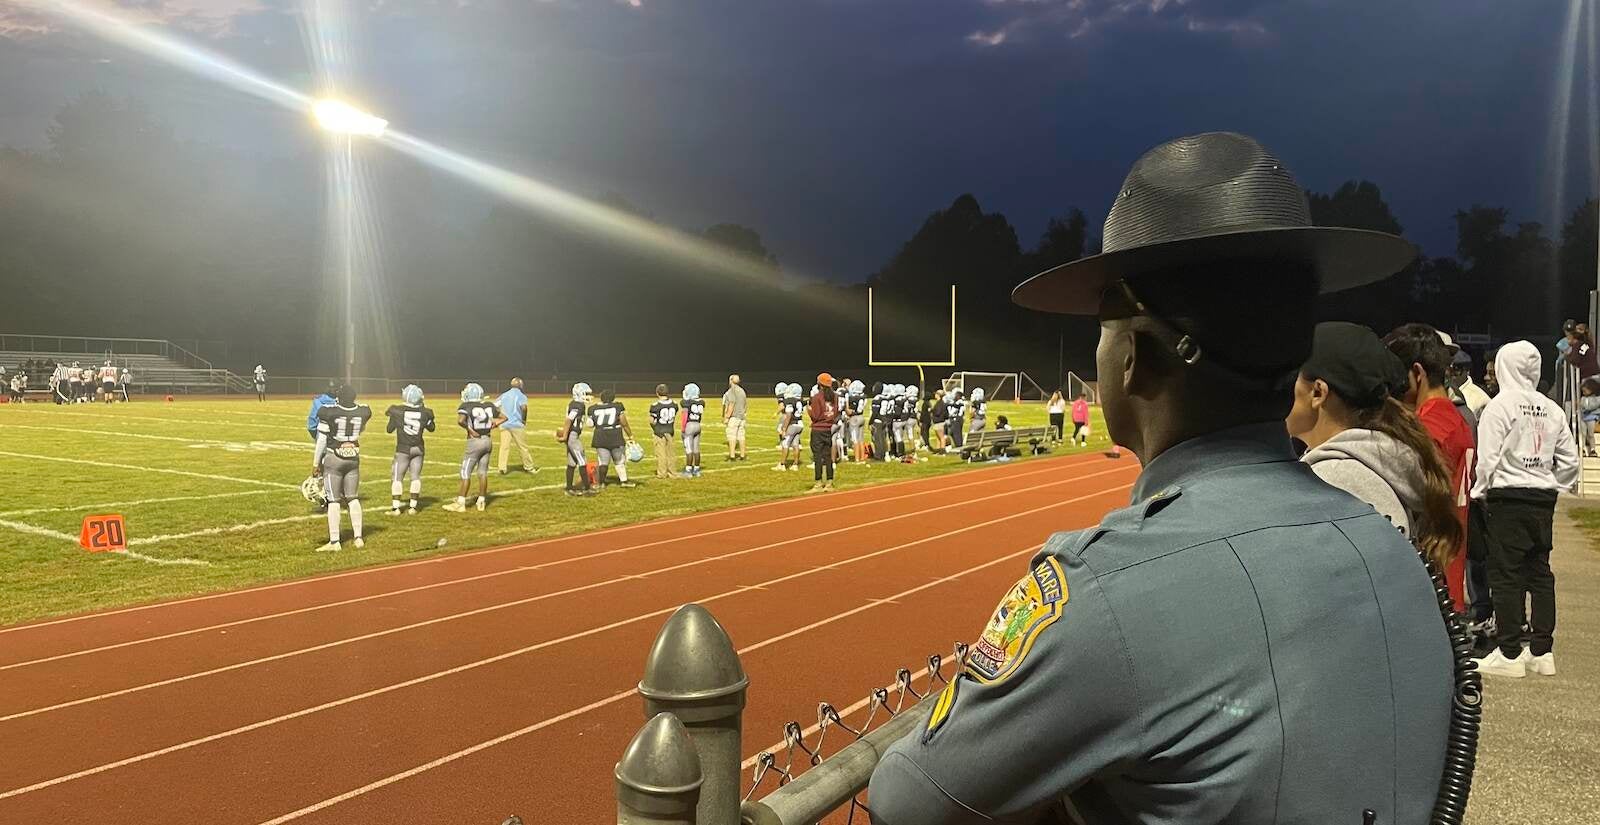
x=1173, y=664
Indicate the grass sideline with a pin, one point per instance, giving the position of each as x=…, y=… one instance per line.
x=1588, y=520
x=216, y=480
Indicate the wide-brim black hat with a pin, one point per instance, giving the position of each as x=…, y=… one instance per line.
x=1212, y=198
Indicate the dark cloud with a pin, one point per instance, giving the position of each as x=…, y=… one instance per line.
x=835, y=127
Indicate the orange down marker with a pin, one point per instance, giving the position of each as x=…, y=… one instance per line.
x=101, y=534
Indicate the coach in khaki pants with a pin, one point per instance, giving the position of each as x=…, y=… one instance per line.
x=513, y=405
x=734, y=404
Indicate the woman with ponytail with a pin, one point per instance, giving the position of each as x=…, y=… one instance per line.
x=1362, y=439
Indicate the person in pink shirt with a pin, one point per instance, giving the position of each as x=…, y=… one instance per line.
x=1080, y=420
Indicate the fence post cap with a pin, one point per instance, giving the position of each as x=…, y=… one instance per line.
x=661, y=761
x=693, y=662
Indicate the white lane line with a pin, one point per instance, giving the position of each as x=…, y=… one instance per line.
x=507, y=571
x=155, y=560
x=511, y=654
x=113, y=465
x=482, y=610
x=617, y=697
x=1056, y=463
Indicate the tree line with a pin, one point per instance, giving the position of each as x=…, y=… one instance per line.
x=121, y=228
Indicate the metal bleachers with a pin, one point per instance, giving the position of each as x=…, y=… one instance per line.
x=157, y=366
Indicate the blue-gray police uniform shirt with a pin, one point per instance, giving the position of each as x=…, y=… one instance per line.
x=1245, y=644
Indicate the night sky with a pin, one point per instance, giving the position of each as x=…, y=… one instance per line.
x=833, y=127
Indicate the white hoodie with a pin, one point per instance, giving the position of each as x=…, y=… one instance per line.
x=1523, y=440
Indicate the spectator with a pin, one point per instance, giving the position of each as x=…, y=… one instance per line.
x=1525, y=459
x=513, y=404
x=1080, y=420
x=1422, y=351
x=734, y=407
x=1361, y=439
x=1589, y=409
x=1058, y=415
x=1460, y=377
x=327, y=397
x=1581, y=352
x=1491, y=384
x=824, y=412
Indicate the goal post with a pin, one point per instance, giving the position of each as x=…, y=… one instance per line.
x=1077, y=386
x=873, y=361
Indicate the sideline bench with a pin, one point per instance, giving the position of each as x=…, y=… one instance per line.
x=990, y=443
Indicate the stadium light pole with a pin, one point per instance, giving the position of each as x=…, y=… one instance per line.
x=347, y=123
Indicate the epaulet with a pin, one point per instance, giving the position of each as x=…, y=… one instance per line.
x=1125, y=520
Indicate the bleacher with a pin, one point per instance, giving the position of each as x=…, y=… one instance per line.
x=157, y=366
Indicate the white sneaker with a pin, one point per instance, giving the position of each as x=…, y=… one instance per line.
x=482, y=503
x=779, y=468
x=455, y=507
x=1496, y=664
x=330, y=547
x=794, y=468
x=392, y=511
x=1543, y=665
x=360, y=544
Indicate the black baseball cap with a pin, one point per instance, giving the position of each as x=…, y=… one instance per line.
x=1354, y=363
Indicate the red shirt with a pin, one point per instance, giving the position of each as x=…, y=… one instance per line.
x=1456, y=444
x=823, y=412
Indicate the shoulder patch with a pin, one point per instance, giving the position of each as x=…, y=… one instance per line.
x=1032, y=604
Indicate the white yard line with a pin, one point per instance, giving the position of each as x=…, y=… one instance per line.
x=117, y=466
x=543, y=645
x=37, y=531
x=996, y=470
x=516, y=570
x=617, y=697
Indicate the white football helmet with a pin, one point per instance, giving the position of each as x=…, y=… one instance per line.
x=691, y=392
x=412, y=395
x=472, y=392
x=857, y=388
x=782, y=389
x=911, y=392
x=792, y=392
x=977, y=394
x=955, y=392
x=635, y=452
x=313, y=491
x=581, y=391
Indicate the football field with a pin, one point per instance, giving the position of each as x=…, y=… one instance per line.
x=209, y=490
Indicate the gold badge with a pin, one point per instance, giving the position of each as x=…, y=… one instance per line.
x=1032, y=605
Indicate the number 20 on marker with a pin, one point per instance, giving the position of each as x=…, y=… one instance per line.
x=103, y=533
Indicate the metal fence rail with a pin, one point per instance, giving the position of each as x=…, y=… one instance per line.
x=683, y=766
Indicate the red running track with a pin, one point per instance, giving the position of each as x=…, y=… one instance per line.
x=465, y=688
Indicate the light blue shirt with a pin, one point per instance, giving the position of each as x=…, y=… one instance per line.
x=511, y=403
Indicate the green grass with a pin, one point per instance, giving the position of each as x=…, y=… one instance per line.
x=248, y=459
x=1588, y=519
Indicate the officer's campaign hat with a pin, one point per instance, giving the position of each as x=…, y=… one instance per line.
x=1212, y=198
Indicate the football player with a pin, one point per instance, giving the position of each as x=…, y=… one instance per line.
x=980, y=411
x=570, y=433
x=663, y=420
x=792, y=425
x=611, y=437
x=108, y=381
x=954, y=426
x=855, y=411
x=337, y=459
x=694, y=415
x=408, y=421
x=261, y=383
x=479, y=418
x=86, y=385
x=74, y=374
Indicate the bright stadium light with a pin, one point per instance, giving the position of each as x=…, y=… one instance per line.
x=342, y=118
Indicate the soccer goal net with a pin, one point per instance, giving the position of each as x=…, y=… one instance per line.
x=999, y=386
x=1076, y=386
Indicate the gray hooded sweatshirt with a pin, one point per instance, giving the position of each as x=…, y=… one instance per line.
x=1374, y=468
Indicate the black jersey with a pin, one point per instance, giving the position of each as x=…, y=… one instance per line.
x=695, y=410
x=408, y=423
x=575, y=411
x=980, y=409
x=342, y=427
x=958, y=408
x=479, y=417
x=607, y=421
x=907, y=408
x=796, y=409
x=663, y=416
x=883, y=408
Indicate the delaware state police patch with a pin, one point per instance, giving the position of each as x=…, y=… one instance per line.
x=1032, y=605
